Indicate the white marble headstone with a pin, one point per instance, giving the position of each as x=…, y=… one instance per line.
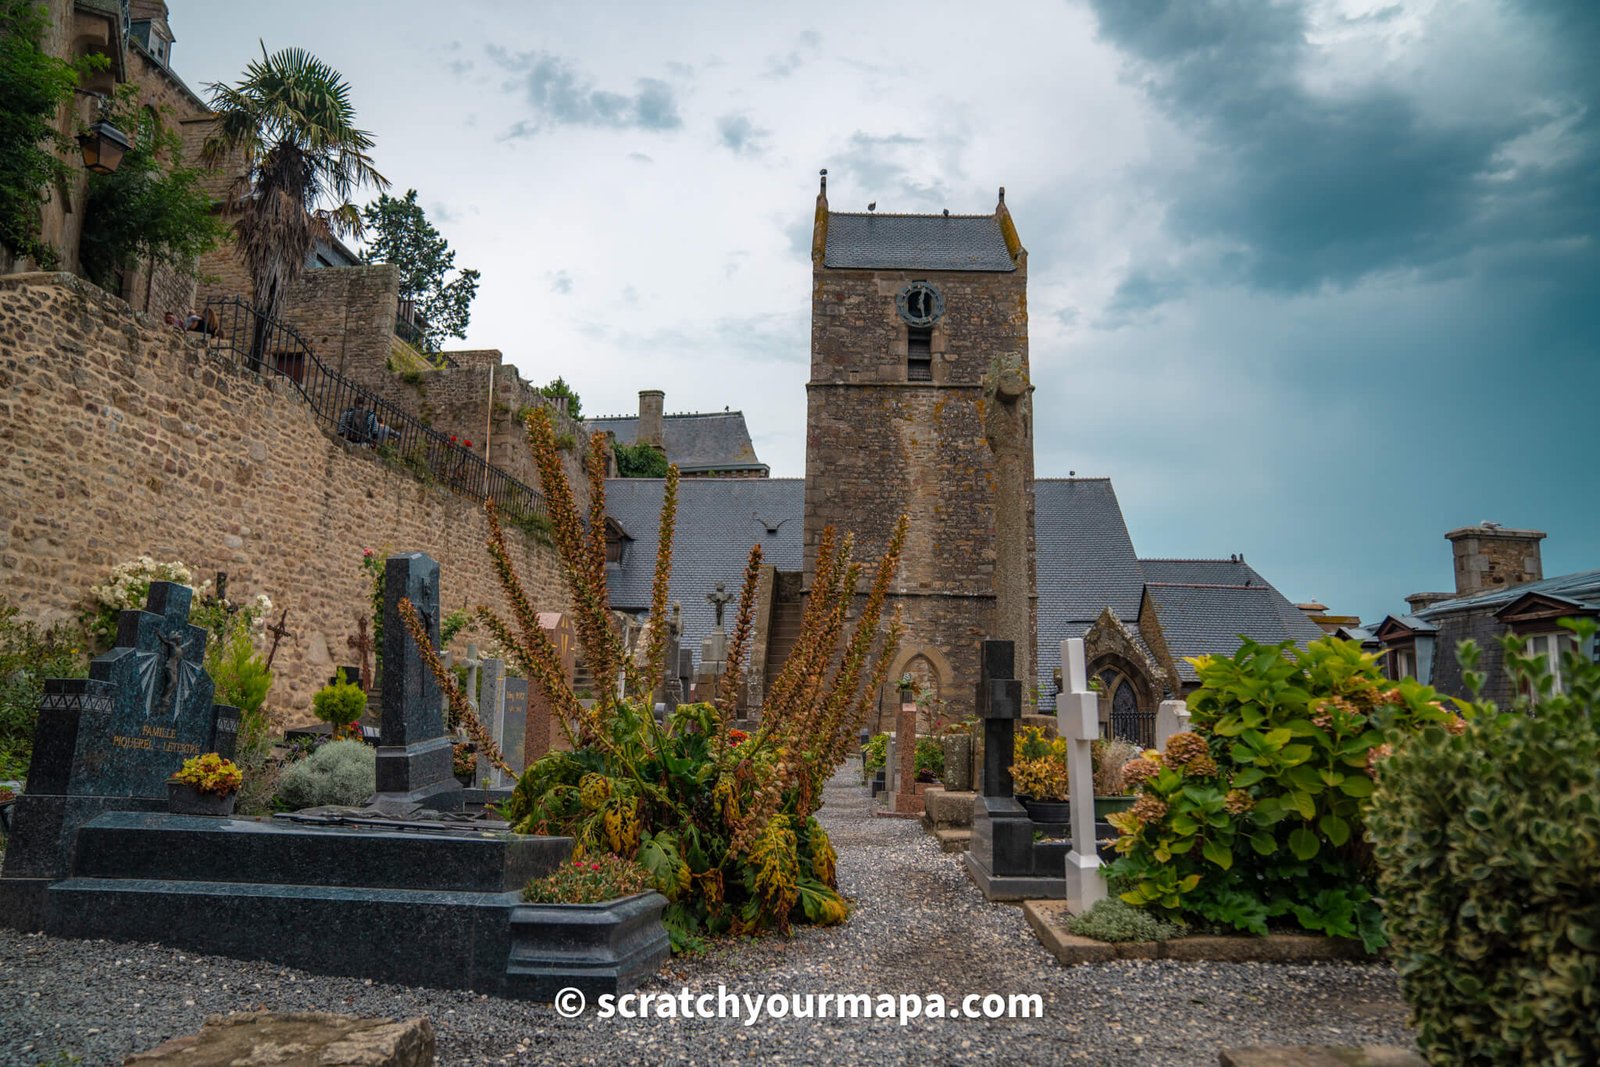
x=1078, y=720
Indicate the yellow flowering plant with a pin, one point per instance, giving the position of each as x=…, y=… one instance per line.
x=211, y=774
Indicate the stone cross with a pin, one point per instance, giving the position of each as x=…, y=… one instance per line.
x=472, y=663
x=1172, y=717
x=1078, y=720
x=492, y=710
x=719, y=600
x=414, y=753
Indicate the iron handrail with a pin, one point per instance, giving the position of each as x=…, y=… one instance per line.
x=358, y=415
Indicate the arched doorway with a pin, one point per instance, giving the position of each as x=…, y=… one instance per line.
x=1127, y=701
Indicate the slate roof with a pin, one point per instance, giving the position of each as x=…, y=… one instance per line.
x=1581, y=586
x=697, y=442
x=1085, y=563
x=718, y=521
x=916, y=242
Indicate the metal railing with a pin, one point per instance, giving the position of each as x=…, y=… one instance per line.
x=1136, y=726
x=417, y=338
x=358, y=415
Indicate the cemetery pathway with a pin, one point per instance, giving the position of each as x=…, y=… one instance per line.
x=919, y=927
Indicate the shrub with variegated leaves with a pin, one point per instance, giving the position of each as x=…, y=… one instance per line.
x=1258, y=815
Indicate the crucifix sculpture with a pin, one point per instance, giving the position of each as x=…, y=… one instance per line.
x=719, y=600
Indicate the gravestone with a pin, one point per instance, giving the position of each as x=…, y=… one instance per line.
x=541, y=731
x=1078, y=717
x=686, y=672
x=1172, y=717
x=110, y=742
x=414, y=752
x=516, y=722
x=492, y=713
x=1000, y=858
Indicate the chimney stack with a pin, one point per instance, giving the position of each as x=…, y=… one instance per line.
x=1488, y=556
x=651, y=403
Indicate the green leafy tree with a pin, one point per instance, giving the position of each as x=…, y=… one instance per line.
x=33, y=85
x=641, y=461
x=151, y=207
x=290, y=124
x=560, y=388
x=402, y=235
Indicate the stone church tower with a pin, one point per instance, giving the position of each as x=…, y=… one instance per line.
x=919, y=403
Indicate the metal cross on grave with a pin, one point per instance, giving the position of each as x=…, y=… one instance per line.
x=361, y=643
x=1078, y=720
x=280, y=629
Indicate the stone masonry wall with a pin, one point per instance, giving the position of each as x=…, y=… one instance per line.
x=120, y=437
x=879, y=446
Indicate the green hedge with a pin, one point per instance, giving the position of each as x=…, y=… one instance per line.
x=1488, y=846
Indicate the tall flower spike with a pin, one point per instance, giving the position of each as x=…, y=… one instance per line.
x=656, y=651
x=733, y=672
x=460, y=707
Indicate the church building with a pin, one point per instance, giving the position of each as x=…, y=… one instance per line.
x=919, y=403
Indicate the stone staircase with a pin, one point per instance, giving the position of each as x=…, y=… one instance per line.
x=788, y=609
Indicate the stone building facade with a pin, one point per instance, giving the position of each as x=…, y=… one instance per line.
x=1500, y=591
x=914, y=320
x=120, y=437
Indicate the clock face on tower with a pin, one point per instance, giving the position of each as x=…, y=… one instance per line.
x=919, y=304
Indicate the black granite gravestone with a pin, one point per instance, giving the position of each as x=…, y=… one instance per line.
x=414, y=755
x=1000, y=858
x=110, y=742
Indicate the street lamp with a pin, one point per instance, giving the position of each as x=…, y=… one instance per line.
x=103, y=145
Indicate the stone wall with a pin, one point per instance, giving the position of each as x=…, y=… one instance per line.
x=879, y=446
x=120, y=437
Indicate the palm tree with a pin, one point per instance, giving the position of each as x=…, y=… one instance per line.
x=290, y=126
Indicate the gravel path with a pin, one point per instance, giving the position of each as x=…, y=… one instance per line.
x=920, y=927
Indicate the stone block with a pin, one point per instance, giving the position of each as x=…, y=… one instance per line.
x=297, y=1038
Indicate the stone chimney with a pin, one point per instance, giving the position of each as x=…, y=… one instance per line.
x=1488, y=556
x=651, y=402
x=1423, y=601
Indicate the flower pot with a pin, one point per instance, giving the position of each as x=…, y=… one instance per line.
x=1046, y=811
x=185, y=799
x=957, y=762
x=1104, y=806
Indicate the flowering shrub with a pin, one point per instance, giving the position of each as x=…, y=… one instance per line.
x=127, y=587
x=1039, y=765
x=1485, y=840
x=210, y=774
x=1110, y=757
x=1259, y=813
x=727, y=831
x=592, y=880
x=28, y=655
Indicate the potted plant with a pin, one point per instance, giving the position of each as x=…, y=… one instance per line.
x=929, y=759
x=1112, y=790
x=204, y=785
x=874, y=756
x=1039, y=775
x=464, y=762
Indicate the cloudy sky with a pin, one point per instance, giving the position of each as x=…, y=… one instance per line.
x=1312, y=281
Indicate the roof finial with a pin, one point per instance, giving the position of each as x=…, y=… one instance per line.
x=824, y=190
x=946, y=212
x=1002, y=194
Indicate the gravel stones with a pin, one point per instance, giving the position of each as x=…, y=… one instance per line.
x=920, y=926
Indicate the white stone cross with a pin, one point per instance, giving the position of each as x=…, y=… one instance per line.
x=1078, y=720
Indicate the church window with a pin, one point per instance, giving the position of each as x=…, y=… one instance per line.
x=919, y=354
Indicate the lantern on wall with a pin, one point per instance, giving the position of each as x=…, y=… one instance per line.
x=103, y=146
